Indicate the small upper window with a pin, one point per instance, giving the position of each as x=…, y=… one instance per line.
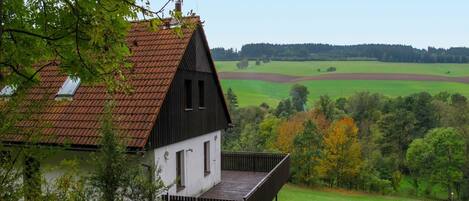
x=8, y=90
x=69, y=88
x=188, y=90
x=201, y=94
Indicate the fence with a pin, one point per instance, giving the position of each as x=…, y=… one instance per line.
x=276, y=165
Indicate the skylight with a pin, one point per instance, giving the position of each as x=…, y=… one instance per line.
x=69, y=87
x=8, y=90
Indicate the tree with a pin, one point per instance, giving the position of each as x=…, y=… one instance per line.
x=290, y=128
x=421, y=106
x=397, y=128
x=15, y=112
x=86, y=39
x=232, y=100
x=117, y=175
x=306, y=154
x=458, y=100
x=243, y=64
x=444, y=149
x=299, y=97
x=326, y=106
x=284, y=108
x=364, y=108
x=268, y=131
x=341, y=103
x=245, y=135
x=258, y=62
x=341, y=161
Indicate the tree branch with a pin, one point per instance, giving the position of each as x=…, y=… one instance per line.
x=12, y=30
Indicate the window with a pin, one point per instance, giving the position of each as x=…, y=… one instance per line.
x=188, y=90
x=69, y=87
x=8, y=90
x=207, y=157
x=201, y=94
x=180, y=180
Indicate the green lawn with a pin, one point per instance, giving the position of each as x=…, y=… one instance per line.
x=251, y=92
x=309, y=68
x=295, y=193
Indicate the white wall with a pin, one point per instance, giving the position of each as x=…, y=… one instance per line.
x=196, y=182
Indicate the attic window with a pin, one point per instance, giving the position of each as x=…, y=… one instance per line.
x=69, y=87
x=8, y=90
x=188, y=94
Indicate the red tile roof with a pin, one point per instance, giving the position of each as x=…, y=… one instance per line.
x=156, y=57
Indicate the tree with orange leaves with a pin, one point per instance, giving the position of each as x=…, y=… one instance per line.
x=341, y=154
x=290, y=128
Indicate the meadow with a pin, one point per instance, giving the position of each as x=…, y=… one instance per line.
x=296, y=193
x=406, y=192
x=252, y=92
x=310, y=68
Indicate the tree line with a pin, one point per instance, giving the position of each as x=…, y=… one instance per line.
x=379, y=52
x=366, y=142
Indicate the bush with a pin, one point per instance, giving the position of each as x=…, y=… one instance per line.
x=258, y=62
x=243, y=64
x=331, y=69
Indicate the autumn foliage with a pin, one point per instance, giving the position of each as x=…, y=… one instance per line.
x=341, y=159
x=289, y=129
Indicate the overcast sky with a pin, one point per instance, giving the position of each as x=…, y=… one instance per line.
x=420, y=23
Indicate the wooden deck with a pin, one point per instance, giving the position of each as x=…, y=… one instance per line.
x=234, y=185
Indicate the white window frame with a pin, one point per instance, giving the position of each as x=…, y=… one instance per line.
x=207, y=158
x=69, y=87
x=182, y=161
x=8, y=90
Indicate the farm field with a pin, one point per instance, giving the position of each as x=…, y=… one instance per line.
x=310, y=68
x=271, y=89
x=295, y=193
x=253, y=92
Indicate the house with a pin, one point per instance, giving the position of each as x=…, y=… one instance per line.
x=174, y=118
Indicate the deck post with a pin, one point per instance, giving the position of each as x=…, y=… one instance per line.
x=276, y=197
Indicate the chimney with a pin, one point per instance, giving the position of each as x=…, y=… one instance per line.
x=178, y=7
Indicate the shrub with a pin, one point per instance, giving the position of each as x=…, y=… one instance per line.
x=331, y=69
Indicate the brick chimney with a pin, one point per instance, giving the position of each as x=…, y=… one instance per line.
x=178, y=7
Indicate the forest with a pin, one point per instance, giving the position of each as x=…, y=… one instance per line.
x=366, y=142
x=378, y=52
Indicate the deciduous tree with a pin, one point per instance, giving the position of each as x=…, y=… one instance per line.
x=440, y=156
x=342, y=153
x=299, y=97
x=306, y=154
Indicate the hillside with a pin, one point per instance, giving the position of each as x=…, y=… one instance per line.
x=390, y=79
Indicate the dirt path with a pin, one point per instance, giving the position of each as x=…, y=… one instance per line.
x=340, y=76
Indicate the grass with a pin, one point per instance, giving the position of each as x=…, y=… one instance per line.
x=310, y=68
x=251, y=92
x=296, y=193
x=406, y=189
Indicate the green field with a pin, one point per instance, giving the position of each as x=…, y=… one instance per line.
x=295, y=193
x=309, y=68
x=251, y=92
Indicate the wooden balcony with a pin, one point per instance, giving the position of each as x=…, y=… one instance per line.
x=247, y=177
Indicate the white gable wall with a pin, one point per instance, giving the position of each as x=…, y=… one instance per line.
x=195, y=180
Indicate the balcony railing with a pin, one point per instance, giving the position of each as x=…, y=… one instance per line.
x=276, y=168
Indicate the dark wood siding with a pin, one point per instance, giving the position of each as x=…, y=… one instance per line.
x=175, y=123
